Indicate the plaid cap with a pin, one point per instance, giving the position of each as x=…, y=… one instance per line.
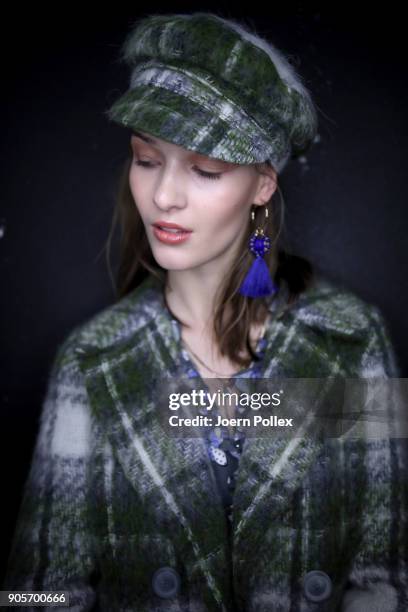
x=200, y=83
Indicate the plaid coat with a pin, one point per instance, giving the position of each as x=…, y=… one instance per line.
x=110, y=499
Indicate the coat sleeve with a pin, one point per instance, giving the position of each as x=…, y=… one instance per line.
x=52, y=545
x=377, y=581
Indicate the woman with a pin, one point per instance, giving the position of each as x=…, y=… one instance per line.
x=122, y=516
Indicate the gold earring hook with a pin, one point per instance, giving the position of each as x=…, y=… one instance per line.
x=266, y=213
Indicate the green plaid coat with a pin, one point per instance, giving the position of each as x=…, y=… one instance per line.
x=109, y=499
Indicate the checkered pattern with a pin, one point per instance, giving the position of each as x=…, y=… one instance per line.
x=202, y=84
x=110, y=499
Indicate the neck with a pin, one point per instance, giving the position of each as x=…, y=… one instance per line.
x=191, y=297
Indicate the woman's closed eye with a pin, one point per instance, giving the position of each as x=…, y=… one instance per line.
x=201, y=173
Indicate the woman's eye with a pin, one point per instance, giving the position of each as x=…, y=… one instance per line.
x=202, y=173
x=209, y=175
x=145, y=164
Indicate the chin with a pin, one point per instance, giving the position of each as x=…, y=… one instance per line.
x=176, y=261
x=172, y=261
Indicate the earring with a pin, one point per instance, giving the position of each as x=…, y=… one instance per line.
x=258, y=281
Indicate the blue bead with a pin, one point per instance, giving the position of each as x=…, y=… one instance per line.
x=192, y=373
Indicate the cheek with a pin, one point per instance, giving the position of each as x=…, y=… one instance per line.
x=227, y=216
x=230, y=207
x=138, y=192
x=133, y=184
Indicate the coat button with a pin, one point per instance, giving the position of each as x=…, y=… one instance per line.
x=166, y=582
x=317, y=586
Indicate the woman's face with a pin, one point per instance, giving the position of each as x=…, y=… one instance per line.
x=208, y=197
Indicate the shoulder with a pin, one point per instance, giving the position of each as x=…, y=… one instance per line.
x=352, y=325
x=329, y=306
x=66, y=411
x=113, y=324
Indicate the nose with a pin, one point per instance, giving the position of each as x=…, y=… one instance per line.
x=169, y=192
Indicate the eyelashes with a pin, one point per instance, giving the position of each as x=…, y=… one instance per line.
x=201, y=173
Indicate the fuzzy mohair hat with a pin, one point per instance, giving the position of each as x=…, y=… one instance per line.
x=208, y=84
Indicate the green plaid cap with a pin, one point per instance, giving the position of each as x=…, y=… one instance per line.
x=198, y=82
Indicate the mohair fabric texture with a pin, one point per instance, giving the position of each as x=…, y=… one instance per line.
x=110, y=499
x=202, y=84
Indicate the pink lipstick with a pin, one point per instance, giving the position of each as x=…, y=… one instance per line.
x=170, y=233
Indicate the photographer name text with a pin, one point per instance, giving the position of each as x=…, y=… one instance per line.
x=220, y=421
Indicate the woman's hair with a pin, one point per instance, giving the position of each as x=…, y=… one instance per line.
x=234, y=314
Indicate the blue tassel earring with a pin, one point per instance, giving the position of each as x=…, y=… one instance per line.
x=258, y=281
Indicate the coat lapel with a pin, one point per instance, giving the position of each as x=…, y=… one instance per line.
x=272, y=467
x=123, y=381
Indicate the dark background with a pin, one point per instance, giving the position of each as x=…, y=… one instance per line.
x=60, y=160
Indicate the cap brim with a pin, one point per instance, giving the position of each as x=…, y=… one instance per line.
x=181, y=121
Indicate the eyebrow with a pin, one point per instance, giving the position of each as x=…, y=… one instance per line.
x=194, y=154
x=145, y=138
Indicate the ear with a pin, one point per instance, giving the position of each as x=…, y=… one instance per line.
x=267, y=184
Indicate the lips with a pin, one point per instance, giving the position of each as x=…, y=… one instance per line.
x=165, y=225
x=170, y=233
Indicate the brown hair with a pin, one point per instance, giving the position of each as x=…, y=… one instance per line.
x=136, y=262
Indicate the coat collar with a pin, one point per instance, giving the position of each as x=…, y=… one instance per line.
x=123, y=379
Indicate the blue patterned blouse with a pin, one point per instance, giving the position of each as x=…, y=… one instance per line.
x=225, y=450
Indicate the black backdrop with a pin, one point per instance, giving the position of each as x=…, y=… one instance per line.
x=345, y=203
